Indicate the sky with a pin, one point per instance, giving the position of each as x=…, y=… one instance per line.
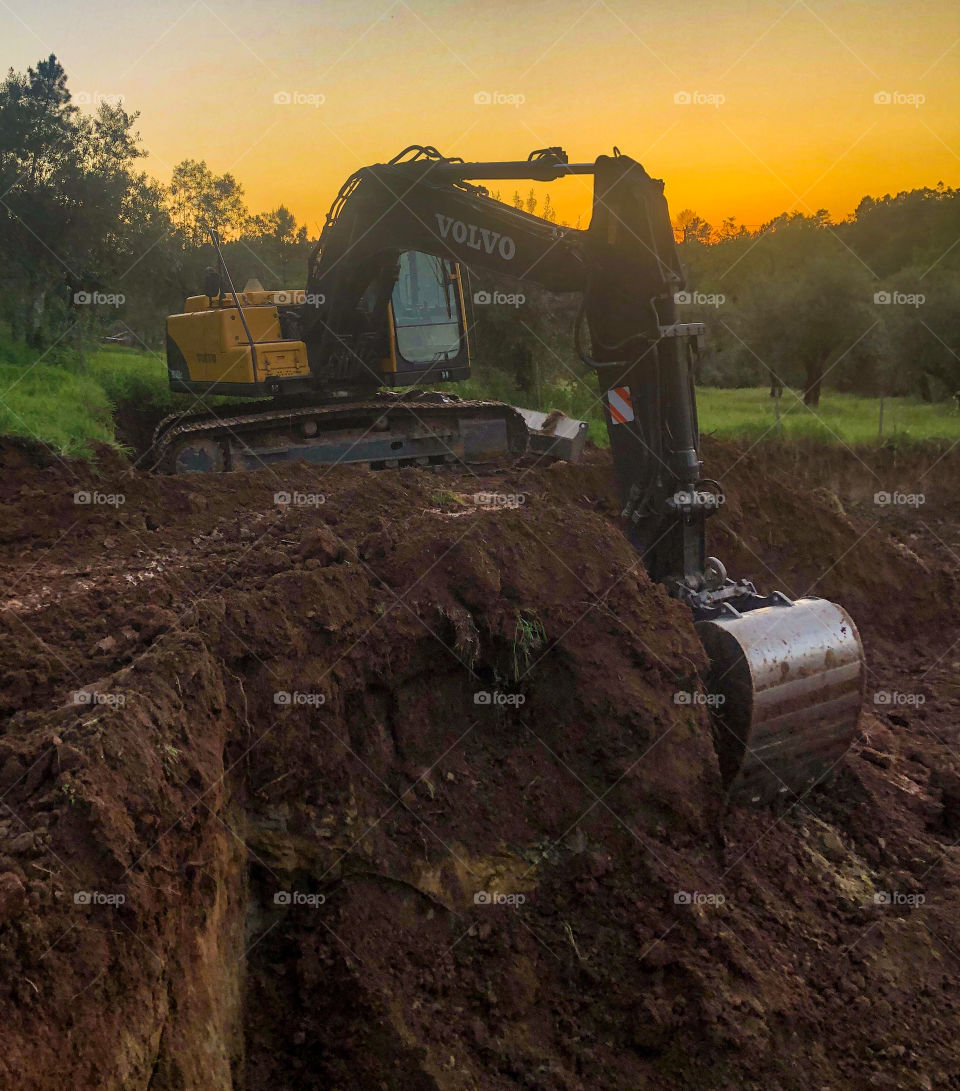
x=745, y=108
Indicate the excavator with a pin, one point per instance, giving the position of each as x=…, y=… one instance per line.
x=338, y=369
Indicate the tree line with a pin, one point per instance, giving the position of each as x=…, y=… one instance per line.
x=89, y=241
x=869, y=305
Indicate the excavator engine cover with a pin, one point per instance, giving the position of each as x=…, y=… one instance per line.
x=786, y=683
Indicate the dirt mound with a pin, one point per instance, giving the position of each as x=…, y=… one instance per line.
x=355, y=780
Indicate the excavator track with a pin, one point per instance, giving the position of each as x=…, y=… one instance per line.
x=380, y=432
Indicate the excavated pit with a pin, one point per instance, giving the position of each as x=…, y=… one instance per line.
x=396, y=786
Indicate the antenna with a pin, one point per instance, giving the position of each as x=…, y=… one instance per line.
x=215, y=239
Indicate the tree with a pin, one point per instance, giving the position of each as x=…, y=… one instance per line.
x=276, y=241
x=808, y=316
x=689, y=227
x=201, y=200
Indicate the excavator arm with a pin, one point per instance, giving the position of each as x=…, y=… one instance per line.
x=625, y=267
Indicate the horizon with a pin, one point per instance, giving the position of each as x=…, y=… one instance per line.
x=808, y=109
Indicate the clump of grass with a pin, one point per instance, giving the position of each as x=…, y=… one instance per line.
x=445, y=500
x=529, y=636
x=129, y=375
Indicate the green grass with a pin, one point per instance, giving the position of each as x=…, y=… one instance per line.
x=576, y=399
x=52, y=400
x=68, y=403
x=750, y=413
x=840, y=418
x=131, y=375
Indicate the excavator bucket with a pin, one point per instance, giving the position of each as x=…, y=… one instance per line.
x=555, y=434
x=786, y=684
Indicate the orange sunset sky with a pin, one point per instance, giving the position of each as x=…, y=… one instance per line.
x=783, y=109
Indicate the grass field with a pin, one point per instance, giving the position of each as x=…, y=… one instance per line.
x=751, y=413
x=68, y=403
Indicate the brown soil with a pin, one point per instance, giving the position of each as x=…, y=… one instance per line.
x=381, y=813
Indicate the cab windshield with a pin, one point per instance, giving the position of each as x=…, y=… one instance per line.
x=425, y=309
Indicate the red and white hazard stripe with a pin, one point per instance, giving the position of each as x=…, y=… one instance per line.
x=620, y=405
